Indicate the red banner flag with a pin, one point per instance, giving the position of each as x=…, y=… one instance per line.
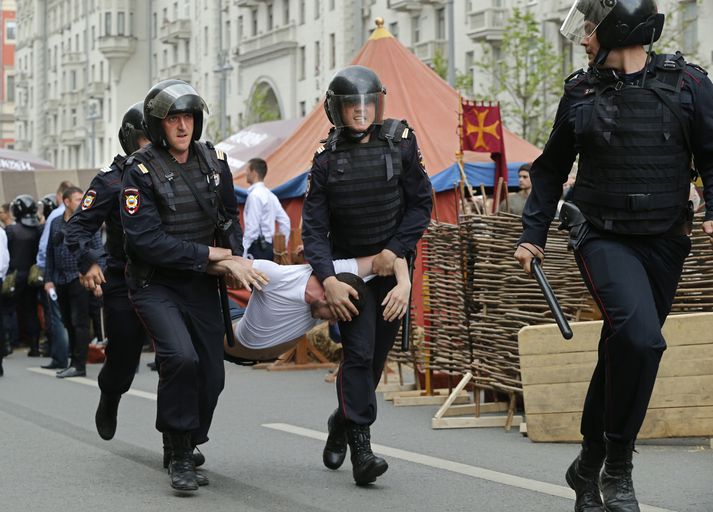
x=482, y=131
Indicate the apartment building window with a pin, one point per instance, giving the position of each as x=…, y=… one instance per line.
x=175, y=10
x=227, y=35
x=331, y=5
x=415, y=29
x=131, y=23
x=154, y=63
x=205, y=40
x=301, y=70
x=303, y=108
x=285, y=12
x=188, y=51
x=689, y=26
x=73, y=117
x=317, y=9
x=175, y=54
x=394, y=29
x=240, y=28
x=270, y=18
x=165, y=16
x=332, y=51
x=94, y=73
x=165, y=58
x=10, y=31
x=101, y=69
x=107, y=23
x=317, y=51
x=440, y=23
x=76, y=43
x=121, y=23
x=154, y=25
x=94, y=39
x=303, y=8
x=10, y=88
x=253, y=21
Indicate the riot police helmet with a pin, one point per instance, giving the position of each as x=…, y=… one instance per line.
x=168, y=98
x=132, y=128
x=617, y=23
x=24, y=209
x=49, y=203
x=355, y=97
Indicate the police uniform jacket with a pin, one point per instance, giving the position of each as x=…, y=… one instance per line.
x=550, y=170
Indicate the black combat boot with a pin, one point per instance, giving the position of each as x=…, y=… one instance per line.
x=583, y=476
x=365, y=465
x=616, y=484
x=335, y=450
x=105, y=417
x=181, y=468
x=198, y=457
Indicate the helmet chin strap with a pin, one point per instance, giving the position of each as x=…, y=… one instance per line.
x=357, y=136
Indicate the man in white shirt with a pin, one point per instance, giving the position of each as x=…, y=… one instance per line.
x=293, y=302
x=262, y=209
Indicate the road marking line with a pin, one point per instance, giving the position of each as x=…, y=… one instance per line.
x=454, y=467
x=93, y=383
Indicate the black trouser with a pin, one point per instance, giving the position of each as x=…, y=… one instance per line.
x=95, y=316
x=28, y=323
x=633, y=280
x=73, y=301
x=182, y=315
x=126, y=336
x=366, y=341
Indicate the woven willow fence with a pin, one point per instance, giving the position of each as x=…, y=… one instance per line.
x=476, y=297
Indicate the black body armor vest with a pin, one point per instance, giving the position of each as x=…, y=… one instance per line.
x=181, y=214
x=364, y=191
x=633, y=142
x=114, y=231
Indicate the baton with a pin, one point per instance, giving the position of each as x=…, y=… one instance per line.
x=406, y=325
x=551, y=300
x=225, y=307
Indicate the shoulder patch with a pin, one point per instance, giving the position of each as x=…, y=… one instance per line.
x=143, y=169
x=89, y=199
x=106, y=169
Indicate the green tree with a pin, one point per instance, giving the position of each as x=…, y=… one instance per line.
x=262, y=105
x=681, y=31
x=526, y=76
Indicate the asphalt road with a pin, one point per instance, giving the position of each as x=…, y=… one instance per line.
x=265, y=454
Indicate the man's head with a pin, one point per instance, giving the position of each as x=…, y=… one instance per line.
x=523, y=176
x=131, y=132
x=320, y=309
x=5, y=215
x=71, y=198
x=604, y=25
x=355, y=99
x=49, y=203
x=173, y=115
x=64, y=185
x=257, y=170
x=24, y=209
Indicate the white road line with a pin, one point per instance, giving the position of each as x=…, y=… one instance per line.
x=93, y=383
x=396, y=453
x=454, y=467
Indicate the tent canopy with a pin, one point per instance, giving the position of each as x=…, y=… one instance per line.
x=11, y=160
x=415, y=93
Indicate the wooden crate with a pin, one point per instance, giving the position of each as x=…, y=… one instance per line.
x=556, y=373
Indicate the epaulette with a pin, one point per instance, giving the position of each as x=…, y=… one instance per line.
x=143, y=169
x=220, y=154
x=130, y=160
x=574, y=75
x=106, y=169
x=320, y=149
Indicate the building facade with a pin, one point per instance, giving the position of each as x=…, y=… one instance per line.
x=81, y=63
x=8, y=39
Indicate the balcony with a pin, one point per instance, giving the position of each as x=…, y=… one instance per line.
x=179, y=71
x=248, y=3
x=72, y=97
x=74, y=59
x=96, y=89
x=73, y=136
x=117, y=46
x=52, y=105
x=405, y=5
x=277, y=41
x=427, y=50
x=50, y=141
x=174, y=31
x=487, y=24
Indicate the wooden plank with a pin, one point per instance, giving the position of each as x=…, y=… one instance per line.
x=385, y=388
x=456, y=392
x=668, y=392
x=391, y=395
x=403, y=401
x=481, y=422
x=523, y=428
x=659, y=423
x=463, y=410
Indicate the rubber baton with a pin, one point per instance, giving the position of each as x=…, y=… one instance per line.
x=551, y=300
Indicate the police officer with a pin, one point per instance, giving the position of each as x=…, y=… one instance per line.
x=368, y=194
x=636, y=119
x=23, y=239
x=176, y=192
x=126, y=334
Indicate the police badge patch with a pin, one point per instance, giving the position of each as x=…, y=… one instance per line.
x=216, y=179
x=132, y=199
x=89, y=198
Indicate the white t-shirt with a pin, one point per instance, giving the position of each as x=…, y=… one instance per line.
x=278, y=313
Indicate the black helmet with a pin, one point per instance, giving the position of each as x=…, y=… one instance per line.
x=618, y=23
x=354, y=85
x=132, y=128
x=24, y=209
x=49, y=203
x=167, y=98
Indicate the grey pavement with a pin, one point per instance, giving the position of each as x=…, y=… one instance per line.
x=52, y=458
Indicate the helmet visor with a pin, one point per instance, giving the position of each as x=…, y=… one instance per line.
x=176, y=98
x=357, y=111
x=584, y=17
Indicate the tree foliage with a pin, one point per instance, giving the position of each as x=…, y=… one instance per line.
x=526, y=77
x=464, y=81
x=680, y=31
x=262, y=105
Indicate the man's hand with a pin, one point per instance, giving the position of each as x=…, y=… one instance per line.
x=243, y=275
x=98, y=292
x=93, y=278
x=526, y=252
x=383, y=264
x=49, y=285
x=337, y=295
x=218, y=253
x=708, y=229
x=396, y=302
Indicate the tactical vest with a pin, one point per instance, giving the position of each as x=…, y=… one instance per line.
x=181, y=214
x=634, y=152
x=364, y=190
